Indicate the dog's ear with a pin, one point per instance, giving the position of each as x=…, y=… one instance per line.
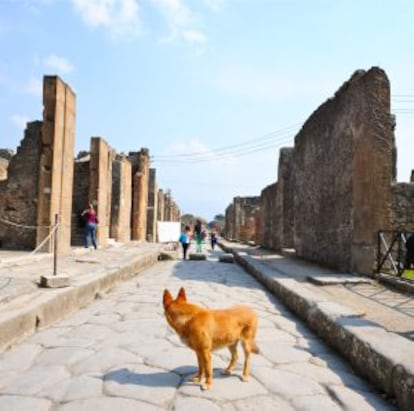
x=167, y=298
x=181, y=295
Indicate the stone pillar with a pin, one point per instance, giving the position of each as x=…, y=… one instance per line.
x=121, y=199
x=56, y=163
x=161, y=205
x=284, y=200
x=140, y=176
x=100, y=186
x=167, y=206
x=229, y=222
x=152, y=206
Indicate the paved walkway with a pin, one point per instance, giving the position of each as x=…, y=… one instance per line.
x=119, y=354
x=372, y=332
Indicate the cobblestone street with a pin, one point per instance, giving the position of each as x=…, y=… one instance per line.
x=118, y=353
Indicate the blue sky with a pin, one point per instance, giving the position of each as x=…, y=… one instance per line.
x=218, y=86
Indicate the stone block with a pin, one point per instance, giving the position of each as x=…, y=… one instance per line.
x=167, y=255
x=197, y=256
x=54, y=281
x=226, y=258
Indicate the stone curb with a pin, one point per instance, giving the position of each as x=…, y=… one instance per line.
x=384, y=358
x=50, y=305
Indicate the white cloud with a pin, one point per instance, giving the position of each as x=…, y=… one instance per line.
x=120, y=17
x=180, y=21
x=214, y=5
x=57, y=63
x=34, y=86
x=19, y=120
x=175, y=12
x=193, y=36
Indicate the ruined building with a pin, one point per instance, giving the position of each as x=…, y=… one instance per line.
x=42, y=181
x=39, y=176
x=240, y=218
x=335, y=188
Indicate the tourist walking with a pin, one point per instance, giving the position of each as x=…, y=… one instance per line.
x=185, y=238
x=198, y=236
x=91, y=221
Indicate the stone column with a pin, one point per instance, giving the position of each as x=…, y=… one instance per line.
x=121, y=199
x=140, y=174
x=56, y=163
x=100, y=185
x=152, y=206
x=161, y=205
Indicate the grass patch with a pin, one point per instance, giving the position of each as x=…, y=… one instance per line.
x=408, y=274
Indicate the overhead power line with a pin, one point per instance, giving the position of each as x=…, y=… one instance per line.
x=265, y=142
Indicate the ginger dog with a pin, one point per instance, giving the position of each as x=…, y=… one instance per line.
x=205, y=330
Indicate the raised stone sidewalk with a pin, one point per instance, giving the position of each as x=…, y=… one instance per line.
x=24, y=306
x=385, y=358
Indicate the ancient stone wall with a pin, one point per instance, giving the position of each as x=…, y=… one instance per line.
x=140, y=177
x=152, y=206
x=121, y=199
x=403, y=206
x=5, y=157
x=343, y=169
x=269, y=221
x=80, y=198
x=229, y=228
x=56, y=162
x=284, y=217
x=19, y=192
x=258, y=223
x=240, y=220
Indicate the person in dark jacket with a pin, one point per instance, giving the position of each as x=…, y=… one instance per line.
x=409, y=256
x=185, y=238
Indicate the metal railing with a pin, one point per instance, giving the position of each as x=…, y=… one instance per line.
x=391, y=251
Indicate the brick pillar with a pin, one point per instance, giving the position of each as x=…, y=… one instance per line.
x=56, y=163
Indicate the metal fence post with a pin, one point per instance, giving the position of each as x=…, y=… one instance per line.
x=55, y=244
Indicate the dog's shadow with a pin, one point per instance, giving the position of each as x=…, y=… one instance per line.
x=174, y=378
